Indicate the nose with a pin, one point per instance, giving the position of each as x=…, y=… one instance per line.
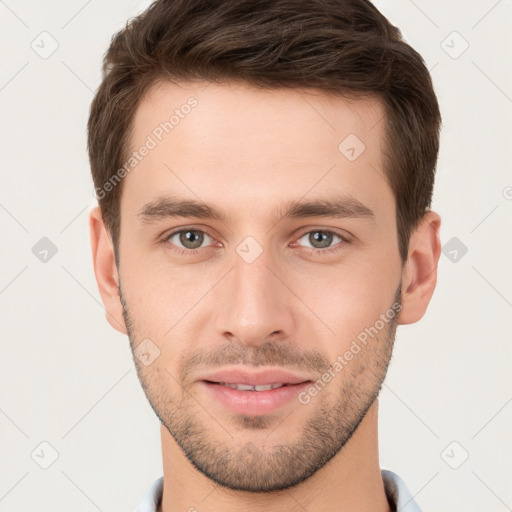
x=255, y=303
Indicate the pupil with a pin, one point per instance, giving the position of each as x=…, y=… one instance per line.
x=322, y=237
x=187, y=239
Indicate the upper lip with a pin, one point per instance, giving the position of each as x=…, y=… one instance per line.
x=254, y=378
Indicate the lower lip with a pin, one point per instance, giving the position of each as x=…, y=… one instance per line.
x=254, y=402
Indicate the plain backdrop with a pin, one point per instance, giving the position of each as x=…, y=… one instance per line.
x=69, y=395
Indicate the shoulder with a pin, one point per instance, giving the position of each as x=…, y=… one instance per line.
x=398, y=494
x=153, y=496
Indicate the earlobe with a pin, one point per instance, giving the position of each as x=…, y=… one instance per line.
x=419, y=276
x=105, y=270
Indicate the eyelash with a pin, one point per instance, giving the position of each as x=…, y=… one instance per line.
x=309, y=250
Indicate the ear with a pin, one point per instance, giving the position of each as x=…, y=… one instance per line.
x=419, y=276
x=105, y=270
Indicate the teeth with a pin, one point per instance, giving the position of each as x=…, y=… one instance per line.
x=248, y=387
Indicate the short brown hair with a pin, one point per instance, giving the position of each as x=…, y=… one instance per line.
x=346, y=47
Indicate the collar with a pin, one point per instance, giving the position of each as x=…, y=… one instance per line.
x=397, y=492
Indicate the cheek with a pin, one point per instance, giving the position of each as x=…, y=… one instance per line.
x=161, y=297
x=173, y=301
x=348, y=299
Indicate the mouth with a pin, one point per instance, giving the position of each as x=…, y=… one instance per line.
x=250, y=387
x=251, y=393
x=244, y=376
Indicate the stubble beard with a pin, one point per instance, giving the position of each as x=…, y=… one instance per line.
x=237, y=463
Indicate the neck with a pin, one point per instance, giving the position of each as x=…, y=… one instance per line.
x=350, y=481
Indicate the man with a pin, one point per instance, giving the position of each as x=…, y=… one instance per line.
x=264, y=171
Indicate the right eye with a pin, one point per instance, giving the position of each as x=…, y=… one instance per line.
x=187, y=241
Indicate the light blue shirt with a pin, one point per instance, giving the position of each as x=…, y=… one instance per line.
x=396, y=490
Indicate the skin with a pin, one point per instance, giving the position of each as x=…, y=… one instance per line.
x=247, y=152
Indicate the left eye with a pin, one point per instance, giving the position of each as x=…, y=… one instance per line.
x=188, y=238
x=320, y=239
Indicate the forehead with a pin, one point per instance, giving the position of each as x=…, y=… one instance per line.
x=221, y=108
x=253, y=144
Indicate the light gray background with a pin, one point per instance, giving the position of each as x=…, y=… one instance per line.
x=67, y=378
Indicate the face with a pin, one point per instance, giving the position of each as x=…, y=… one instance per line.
x=258, y=234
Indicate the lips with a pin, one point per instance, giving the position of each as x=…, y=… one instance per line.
x=249, y=387
x=245, y=391
x=242, y=377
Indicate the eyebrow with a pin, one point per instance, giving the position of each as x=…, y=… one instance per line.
x=170, y=207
